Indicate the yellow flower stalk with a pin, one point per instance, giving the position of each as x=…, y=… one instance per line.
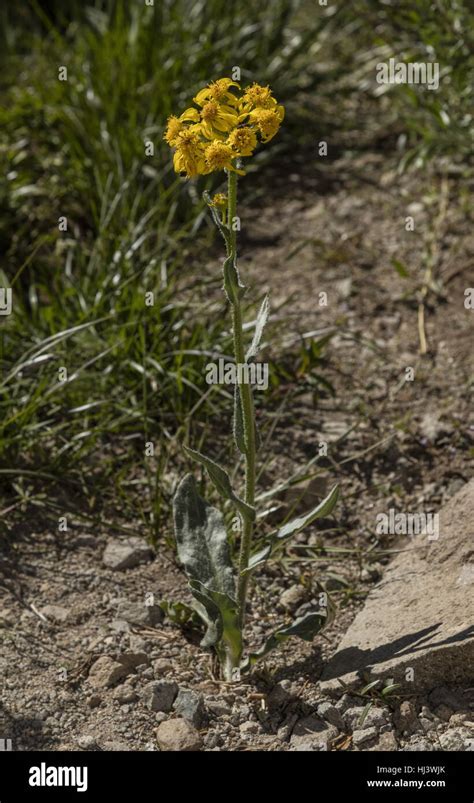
x=227, y=127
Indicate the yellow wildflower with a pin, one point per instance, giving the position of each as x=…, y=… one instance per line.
x=189, y=154
x=243, y=141
x=268, y=121
x=176, y=124
x=218, y=156
x=217, y=118
x=257, y=97
x=219, y=200
x=219, y=91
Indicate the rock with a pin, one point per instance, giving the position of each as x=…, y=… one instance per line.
x=279, y=696
x=56, y=613
x=177, y=734
x=159, y=695
x=312, y=733
x=418, y=744
x=190, y=706
x=125, y=694
x=330, y=713
x=137, y=613
x=386, y=741
x=134, y=660
x=431, y=427
x=456, y=739
x=363, y=735
x=87, y=741
x=114, y=746
x=293, y=597
x=218, y=708
x=405, y=719
x=94, y=700
x=127, y=553
x=162, y=665
x=462, y=719
x=444, y=712
x=249, y=728
x=416, y=625
x=443, y=695
x=106, y=672
x=353, y=717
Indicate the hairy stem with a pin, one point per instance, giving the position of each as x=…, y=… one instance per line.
x=245, y=391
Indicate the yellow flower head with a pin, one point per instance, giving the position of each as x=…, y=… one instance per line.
x=243, y=141
x=257, y=97
x=189, y=154
x=219, y=200
x=218, y=91
x=177, y=124
x=218, y=156
x=268, y=121
x=217, y=118
x=228, y=125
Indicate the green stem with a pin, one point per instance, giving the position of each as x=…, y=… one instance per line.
x=246, y=399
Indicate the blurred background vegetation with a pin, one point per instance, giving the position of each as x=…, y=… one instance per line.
x=76, y=148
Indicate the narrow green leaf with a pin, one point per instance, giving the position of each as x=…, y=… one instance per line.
x=306, y=628
x=233, y=287
x=179, y=612
x=221, y=481
x=323, y=509
x=258, y=558
x=400, y=268
x=366, y=710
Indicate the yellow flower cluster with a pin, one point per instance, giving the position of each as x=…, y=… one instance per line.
x=228, y=125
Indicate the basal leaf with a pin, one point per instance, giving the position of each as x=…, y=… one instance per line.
x=201, y=539
x=221, y=481
x=224, y=611
x=179, y=612
x=262, y=318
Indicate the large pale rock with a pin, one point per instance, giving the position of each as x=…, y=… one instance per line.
x=421, y=615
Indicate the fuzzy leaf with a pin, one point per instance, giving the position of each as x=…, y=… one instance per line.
x=221, y=481
x=262, y=318
x=258, y=558
x=306, y=628
x=201, y=539
x=233, y=287
x=323, y=509
x=222, y=611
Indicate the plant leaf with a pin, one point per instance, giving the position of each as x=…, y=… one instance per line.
x=201, y=539
x=234, y=289
x=221, y=481
x=223, y=612
x=322, y=509
x=306, y=628
x=262, y=318
x=258, y=558
x=179, y=612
